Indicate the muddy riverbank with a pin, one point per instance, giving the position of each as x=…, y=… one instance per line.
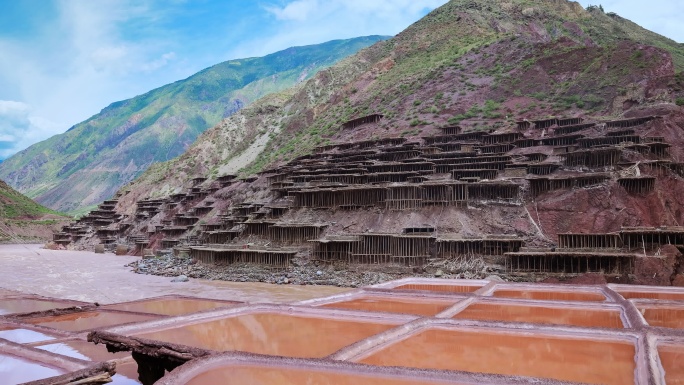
x=104, y=278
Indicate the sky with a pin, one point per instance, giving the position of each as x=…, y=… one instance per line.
x=62, y=61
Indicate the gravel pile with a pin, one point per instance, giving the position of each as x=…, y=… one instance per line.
x=301, y=272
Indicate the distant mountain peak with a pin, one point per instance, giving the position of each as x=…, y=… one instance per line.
x=93, y=159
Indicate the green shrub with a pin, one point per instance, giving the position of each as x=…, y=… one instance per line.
x=539, y=96
x=680, y=101
x=455, y=120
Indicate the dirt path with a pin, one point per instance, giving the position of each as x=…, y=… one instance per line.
x=86, y=276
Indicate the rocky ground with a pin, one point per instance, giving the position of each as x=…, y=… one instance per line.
x=304, y=272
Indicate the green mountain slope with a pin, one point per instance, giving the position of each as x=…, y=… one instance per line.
x=24, y=221
x=477, y=63
x=14, y=205
x=90, y=161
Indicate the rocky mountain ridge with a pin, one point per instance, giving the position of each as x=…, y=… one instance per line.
x=92, y=160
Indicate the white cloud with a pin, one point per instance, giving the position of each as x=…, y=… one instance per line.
x=19, y=128
x=156, y=64
x=299, y=10
x=304, y=22
x=103, y=57
x=12, y=108
x=78, y=64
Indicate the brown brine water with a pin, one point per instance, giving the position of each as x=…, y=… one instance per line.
x=666, y=317
x=263, y=375
x=423, y=306
x=672, y=360
x=27, y=305
x=569, y=359
x=76, y=322
x=550, y=295
x=541, y=314
x=171, y=306
x=273, y=334
x=126, y=374
x=638, y=294
x=83, y=350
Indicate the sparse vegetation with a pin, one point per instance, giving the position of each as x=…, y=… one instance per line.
x=15, y=205
x=483, y=68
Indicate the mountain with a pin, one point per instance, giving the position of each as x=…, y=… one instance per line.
x=23, y=220
x=487, y=127
x=88, y=163
x=470, y=62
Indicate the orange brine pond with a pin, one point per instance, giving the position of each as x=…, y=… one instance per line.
x=498, y=352
x=23, y=336
x=542, y=314
x=171, y=306
x=15, y=370
x=82, y=350
x=442, y=288
x=550, y=295
x=28, y=305
x=643, y=294
x=671, y=358
x=76, y=322
x=273, y=334
x=418, y=306
x=264, y=375
x=666, y=317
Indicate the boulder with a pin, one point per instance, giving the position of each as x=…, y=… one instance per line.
x=180, y=278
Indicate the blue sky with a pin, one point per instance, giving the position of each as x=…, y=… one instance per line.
x=61, y=61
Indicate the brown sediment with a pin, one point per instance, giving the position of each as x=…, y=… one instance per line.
x=174, y=353
x=52, y=312
x=89, y=320
x=27, y=305
x=82, y=350
x=579, y=316
x=425, y=307
x=96, y=374
x=663, y=316
x=171, y=306
x=540, y=355
x=550, y=295
x=272, y=333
